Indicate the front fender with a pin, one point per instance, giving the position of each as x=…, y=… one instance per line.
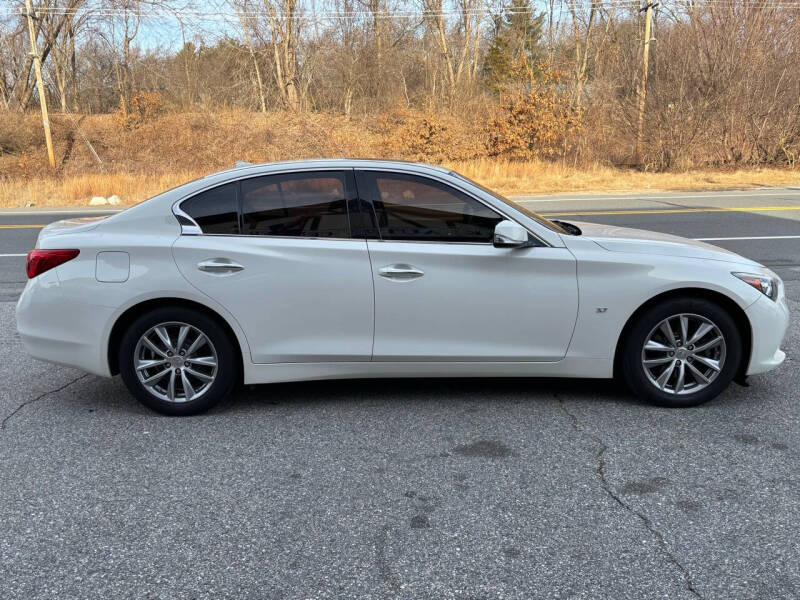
x=613, y=285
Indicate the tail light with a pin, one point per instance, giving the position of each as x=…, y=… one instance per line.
x=39, y=261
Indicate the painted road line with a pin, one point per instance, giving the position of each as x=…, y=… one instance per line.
x=9, y=255
x=671, y=211
x=68, y=211
x=656, y=197
x=21, y=226
x=757, y=237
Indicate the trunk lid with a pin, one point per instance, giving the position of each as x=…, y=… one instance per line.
x=76, y=225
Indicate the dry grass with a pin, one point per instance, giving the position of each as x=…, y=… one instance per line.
x=518, y=178
x=177, y=147
x=536, y=177
x=78, y=190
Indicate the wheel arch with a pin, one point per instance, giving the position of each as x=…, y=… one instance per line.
x=727, y=303
x=134, y=312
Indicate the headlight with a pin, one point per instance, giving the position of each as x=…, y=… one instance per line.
x=766, y=285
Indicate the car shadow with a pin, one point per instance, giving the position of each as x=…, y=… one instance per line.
x=110, y=394
x=421, y=390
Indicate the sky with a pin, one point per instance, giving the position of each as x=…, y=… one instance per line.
x=198, y=21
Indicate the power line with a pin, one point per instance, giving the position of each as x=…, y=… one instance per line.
x=348, y=15
x=393, y=14
x=607, y=4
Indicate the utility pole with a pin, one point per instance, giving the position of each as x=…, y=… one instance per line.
x=37, y=67
x=648, y=18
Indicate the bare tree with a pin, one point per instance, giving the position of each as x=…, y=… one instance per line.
x=582, y=35
x=50, y=22
x=64, y=60
x=454, y=48
x=242, y=8
x=284, y=19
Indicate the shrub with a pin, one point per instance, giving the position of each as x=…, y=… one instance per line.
x=431, y=137
x=535, y=120
x=144, y=107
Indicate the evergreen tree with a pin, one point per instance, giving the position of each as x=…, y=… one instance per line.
x=516, y=36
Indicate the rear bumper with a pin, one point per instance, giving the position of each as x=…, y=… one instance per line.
x=769, y=321
x=57, y=330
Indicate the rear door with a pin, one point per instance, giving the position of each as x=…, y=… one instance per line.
x=277, y=252
x=442, y=290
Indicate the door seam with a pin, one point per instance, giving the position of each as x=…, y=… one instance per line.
x=374, y=302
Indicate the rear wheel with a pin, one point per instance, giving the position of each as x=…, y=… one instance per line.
x=681, y=352
x=177, y=361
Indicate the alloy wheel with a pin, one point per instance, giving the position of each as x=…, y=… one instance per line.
x=175, y=362
x=683, y=354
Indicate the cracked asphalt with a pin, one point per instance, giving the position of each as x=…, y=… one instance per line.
x=445, y=489
x=489, y=489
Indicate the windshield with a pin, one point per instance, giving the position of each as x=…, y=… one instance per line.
x=526, y=211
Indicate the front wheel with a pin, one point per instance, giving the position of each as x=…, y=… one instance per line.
x=177, y=361
x=681, y=352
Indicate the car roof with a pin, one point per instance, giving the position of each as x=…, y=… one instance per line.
x=333, y=163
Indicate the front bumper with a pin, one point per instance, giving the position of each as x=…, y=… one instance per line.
x=769, y=321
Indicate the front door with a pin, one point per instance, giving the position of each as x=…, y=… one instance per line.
x=443, y=292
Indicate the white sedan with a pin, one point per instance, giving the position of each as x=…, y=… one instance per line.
x=353, y=268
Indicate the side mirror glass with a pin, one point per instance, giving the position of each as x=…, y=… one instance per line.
x=508, y=234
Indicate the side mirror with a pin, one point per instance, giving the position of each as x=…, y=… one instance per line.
x=508, y=234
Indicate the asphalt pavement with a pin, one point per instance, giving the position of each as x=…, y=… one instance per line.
x=451, y=488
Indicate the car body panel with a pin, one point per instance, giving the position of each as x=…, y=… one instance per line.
x=771, y=320
x=78, y=312
x=459, y=309
x=298, y=299
x=638, y=241
x=613, y=285
x=567, y=368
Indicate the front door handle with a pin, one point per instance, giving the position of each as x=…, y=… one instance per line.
x=219, y=266
x=401, y=272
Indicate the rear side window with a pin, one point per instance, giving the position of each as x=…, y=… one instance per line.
x=296, y=205
x=415, y=208
x=215, y=210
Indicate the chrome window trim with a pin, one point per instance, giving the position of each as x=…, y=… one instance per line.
x=193, y=229
x=445, y=178
x=340, y=239
x=282, y=237
x=433, y=242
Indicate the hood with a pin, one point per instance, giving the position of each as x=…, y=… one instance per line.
x=638, y=241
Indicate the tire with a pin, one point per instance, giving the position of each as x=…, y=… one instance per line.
x=645, y=370
x=212, y=365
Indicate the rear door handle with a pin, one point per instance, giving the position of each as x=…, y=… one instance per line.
x=401, y=272
x=219, y=266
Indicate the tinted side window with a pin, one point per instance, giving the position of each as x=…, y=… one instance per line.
x=215, y=210
x=296, y=204
x=420, y=209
